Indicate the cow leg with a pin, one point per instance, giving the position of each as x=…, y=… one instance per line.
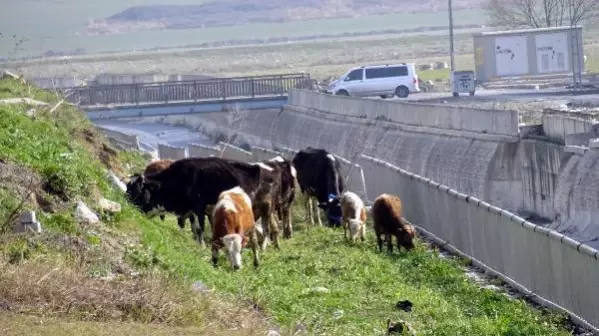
x=214, y=254
x=254, y=245
x=389, y=239
x=274, y=231
x=363, y=232
x=316, y=211
x=345, y=224
x=265, y=229
x=286, y=220
x=308, y=205
x=194, y=226
x=181, y=222
x=379, y=241
x=200, y=213
x=192, y=219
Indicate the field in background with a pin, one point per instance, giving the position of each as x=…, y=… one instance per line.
x=63, y=36
x=319, y=58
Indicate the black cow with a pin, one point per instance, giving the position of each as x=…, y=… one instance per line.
x=319, y=176
x=192, y=184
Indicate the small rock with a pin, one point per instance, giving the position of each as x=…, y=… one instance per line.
x=300, y=328
x=199, y=286
x=273, y=333
x=84, y=214
x=319, y=290
x=109, y=206
x=27, y=222
x=4, y=306
x=337, y=314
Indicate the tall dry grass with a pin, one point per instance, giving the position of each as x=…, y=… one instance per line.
x=58, y=289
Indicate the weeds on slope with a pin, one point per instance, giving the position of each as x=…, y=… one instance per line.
x=363, y=286
x=75, y=272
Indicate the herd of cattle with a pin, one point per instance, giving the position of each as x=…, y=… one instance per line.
x=234, y=195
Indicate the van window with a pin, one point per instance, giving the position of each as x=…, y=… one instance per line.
x=398, y=71
x=354, y=75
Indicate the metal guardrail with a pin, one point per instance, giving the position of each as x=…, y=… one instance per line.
x=197, y=90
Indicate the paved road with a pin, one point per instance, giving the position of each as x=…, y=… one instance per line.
x=521, y=95
x=150, y=135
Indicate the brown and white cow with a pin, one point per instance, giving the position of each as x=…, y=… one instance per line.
x=353, y=212
x=232, y=224
x=387, y=219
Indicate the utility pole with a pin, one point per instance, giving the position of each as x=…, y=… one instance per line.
x=451, y=57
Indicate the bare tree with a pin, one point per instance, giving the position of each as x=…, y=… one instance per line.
x=541, y=13
x=361, y=142
x=236, y=119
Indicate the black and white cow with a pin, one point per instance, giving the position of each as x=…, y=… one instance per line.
x=319, y=175
x=191, y=185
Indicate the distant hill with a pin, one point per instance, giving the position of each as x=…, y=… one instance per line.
x=237, y=12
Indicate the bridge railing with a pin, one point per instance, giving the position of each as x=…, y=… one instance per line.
x=208, y=89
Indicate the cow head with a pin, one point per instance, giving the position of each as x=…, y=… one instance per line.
x=405, y=237
x=233, y=244
x=142, y=193
x=332, y=207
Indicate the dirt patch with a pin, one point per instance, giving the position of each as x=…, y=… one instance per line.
x=100, y=148
x=23, y=182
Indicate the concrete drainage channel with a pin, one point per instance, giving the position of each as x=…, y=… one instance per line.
x=485, y=277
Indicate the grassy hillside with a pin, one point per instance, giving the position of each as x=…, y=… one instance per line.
x=130, y=275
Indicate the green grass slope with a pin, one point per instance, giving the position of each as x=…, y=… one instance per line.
x=130, y=275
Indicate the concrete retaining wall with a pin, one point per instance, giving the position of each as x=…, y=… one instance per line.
x=264, y=154
x=170, y=152
x=446, y=117
x=235, y=153
x=576, y=199
x=121, y=140
x=558, y=124
x=540, y=168
x=543, y=261
x=198, y=150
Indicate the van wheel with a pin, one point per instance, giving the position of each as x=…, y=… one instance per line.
x=402, y=92
x=342, y=93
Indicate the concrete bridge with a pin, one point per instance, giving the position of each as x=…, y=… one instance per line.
x=184, y=97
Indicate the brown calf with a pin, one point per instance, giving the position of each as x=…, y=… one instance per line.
x=232, y=223
x=386, y=216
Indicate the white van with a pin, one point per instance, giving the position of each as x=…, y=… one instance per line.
x=377, y=80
